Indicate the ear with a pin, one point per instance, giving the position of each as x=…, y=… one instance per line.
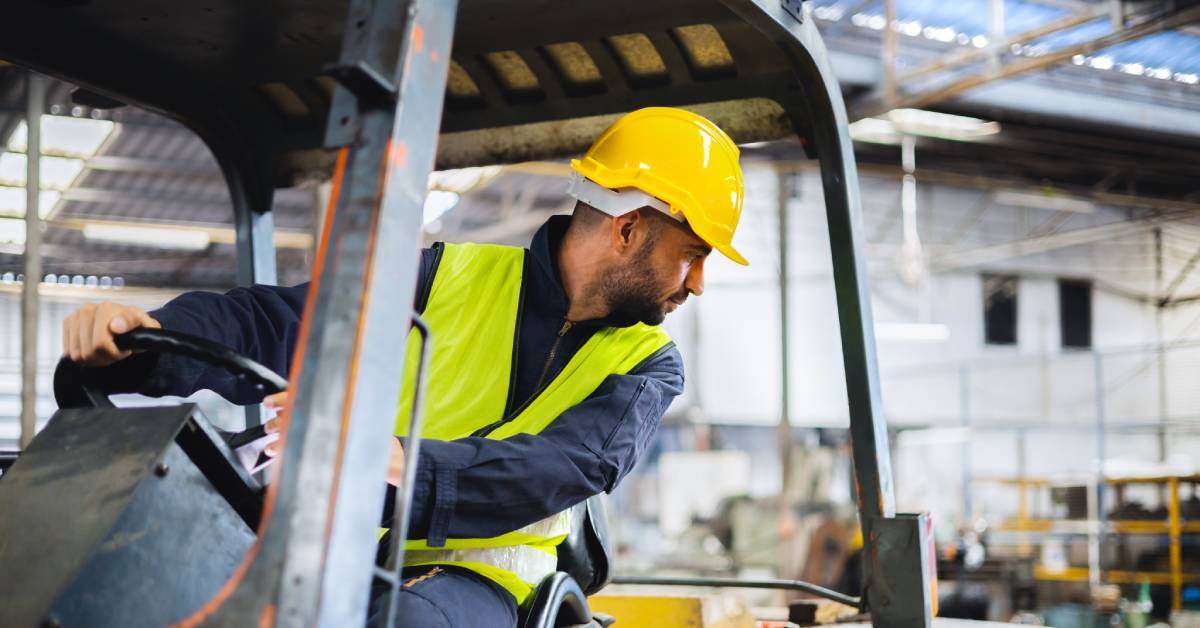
x=625, y=229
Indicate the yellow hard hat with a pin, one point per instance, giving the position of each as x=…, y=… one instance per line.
x=680, y=158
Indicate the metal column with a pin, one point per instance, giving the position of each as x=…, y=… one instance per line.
x=255, y=246
x=251, y=190
x=889, y=52
x=314, y=560
x=1097, y=507
x=996, y=40
x=964, y=418
x=784, y=184
x=35, y=104
x=1160, y=352
x=255, y=227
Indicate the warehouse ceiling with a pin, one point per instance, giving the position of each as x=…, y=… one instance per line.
x=150, y=207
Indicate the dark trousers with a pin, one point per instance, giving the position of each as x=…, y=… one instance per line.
x=445, y=597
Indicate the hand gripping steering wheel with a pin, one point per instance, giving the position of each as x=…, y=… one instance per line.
x=77, y=386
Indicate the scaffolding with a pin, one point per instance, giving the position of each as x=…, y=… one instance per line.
x=1032, y=523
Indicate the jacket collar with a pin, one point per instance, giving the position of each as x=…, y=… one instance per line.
x=544, y=288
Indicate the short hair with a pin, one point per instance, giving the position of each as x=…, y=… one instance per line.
x=588, y=217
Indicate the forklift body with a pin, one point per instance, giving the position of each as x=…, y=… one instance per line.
x=380, y=92
x=130, y=515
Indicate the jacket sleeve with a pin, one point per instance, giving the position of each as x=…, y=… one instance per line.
x=479, y=487
x=260, y=322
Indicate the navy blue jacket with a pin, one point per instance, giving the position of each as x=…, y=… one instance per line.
x=471, y=487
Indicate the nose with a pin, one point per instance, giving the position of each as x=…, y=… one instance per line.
x=694, y=281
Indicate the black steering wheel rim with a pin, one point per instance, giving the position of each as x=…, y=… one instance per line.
x=80, y=386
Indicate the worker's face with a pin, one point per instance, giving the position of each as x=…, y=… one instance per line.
x=663, y=263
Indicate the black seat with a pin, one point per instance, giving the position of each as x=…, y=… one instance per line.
x=557, y=601
x=586, y=553
x=584, y=567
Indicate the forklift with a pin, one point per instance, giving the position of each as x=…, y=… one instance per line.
x=143, y=516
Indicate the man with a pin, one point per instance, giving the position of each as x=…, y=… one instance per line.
x=549, y=371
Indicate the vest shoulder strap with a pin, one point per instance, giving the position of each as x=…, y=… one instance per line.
x=470, y=266
x=471, y=310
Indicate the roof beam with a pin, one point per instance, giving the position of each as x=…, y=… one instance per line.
x=1169, y=294
x=171, y=167
x=1163, y=211
x=126, y=197
x=217, y=234
x=971, y=55
x=943, y=177
x=1049, y=96
x=983, y=255
x=993, y=183
x=873, y=105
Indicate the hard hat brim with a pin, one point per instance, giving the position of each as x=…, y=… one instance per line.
x=728, y=251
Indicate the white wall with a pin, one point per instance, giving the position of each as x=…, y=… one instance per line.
x=738, y=354
x=735, y=366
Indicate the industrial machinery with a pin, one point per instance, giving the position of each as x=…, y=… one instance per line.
x=381, y=92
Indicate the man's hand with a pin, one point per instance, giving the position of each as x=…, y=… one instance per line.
x=88, y=332
x=396, y=463
x=280, y=404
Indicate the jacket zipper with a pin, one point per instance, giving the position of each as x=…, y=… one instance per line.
x=537, y=389
x=566, y=327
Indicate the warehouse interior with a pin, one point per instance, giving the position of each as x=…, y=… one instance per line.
x=1029, y=179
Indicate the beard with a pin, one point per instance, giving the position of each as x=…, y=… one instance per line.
x=634, y=290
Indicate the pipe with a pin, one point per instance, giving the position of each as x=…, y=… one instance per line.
x=784, y=189
x=787, y=585
x=35, y=104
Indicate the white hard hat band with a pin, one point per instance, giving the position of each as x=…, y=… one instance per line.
x=616, y=202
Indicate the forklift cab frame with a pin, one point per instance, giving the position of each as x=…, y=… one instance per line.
x=383, y=92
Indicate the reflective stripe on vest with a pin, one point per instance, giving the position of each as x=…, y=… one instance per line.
x=473, y=311
x=530, y=562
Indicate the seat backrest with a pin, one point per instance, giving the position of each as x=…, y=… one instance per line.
x=586, y=554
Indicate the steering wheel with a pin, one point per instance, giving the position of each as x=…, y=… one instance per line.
x=77, y=386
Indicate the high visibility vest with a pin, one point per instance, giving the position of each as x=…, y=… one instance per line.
x=473, y=311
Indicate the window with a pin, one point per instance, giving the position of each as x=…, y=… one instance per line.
x=1075, y=313
x=1000, y=310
